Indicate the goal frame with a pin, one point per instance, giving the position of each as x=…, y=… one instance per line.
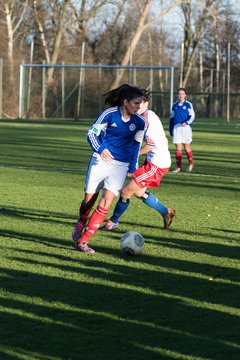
x=22, y=79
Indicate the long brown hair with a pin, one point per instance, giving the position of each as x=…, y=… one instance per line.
x=116, y=96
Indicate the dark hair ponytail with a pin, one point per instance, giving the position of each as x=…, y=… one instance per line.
x=116, y=96
x=146, y=95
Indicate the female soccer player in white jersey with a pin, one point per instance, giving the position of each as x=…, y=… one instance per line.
x=156, y=165
x=180, y=127
x=115, y=138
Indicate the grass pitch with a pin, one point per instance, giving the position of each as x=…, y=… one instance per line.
x=177, y=300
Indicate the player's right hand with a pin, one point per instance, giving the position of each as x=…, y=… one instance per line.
x=106, y=155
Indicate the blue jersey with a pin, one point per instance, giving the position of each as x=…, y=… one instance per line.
x=121, y=137
x=181, y=113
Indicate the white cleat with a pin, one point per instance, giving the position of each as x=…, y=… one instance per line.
x=177, y=170
x=190, y=168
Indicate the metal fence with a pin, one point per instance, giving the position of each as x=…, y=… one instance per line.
x=76, y=90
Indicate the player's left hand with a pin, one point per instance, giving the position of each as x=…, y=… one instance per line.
x=106, y=155
x=129, y=174
x=184, y=124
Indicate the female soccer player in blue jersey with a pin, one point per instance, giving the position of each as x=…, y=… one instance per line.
x=149, y=175
x=115, y=138
x=180, y=127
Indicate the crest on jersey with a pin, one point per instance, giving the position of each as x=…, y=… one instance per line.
x=184, y=107
x=132, y=127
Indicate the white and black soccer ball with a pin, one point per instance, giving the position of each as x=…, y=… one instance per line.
x=132, y=243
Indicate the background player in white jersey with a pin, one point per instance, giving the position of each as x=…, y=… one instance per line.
x=156, y=165
x=180, y=127
x=115, y=138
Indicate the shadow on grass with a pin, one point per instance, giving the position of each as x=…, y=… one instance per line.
x=38, y=215
x=228, y=231
x=185, y=179
x=182, y=285
x=119, y=311
x=127, y=225
x=47, y=241
x=75, y=306
x=195, y=268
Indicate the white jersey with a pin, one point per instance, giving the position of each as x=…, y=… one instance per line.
x=155, y=137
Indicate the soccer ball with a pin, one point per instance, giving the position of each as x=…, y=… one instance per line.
x=132, y=243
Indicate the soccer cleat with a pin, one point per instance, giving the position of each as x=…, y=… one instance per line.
x=77, y=230
x=190, y=168
x=177, y=170
x=168, y=218
x=109, y=226
x=84, y=247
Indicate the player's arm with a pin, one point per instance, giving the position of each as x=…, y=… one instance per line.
x=145, y=149
x=191, y=114
x=152, y=134
x=150, y=144
x=136, y=148
x=94, y=136
x=171, y=122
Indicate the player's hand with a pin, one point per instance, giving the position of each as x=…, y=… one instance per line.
x=184, y=124
x=129, y=174
x=106, y=155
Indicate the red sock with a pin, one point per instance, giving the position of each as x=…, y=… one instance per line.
x=179, y=158
x=84, y=212
x=190, y=157
x=95, y=221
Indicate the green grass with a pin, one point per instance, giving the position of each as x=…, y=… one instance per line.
x=178, y=300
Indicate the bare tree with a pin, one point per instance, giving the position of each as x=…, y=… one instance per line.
x=215, y=17
x=143, y=24
x=14, y=13
x=97, y=25
x=51, y=43
x=193, y=34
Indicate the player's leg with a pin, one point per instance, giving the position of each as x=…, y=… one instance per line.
x=93, y=184
x=84, y=211
x=151, y=176
x=114, y=177
x=152, y=201
x=177, y=139
x=148, y=199
x=96, y=220
x=121, y=205
x=146, y=174
x=189, y=154
x=178, y=156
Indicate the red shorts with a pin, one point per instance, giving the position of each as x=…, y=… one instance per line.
x=149, y=175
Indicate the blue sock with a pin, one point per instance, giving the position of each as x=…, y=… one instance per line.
x=120, y=208
x=155, y=204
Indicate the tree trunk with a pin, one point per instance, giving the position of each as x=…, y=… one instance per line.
x=138, y=33
x=195, y=38
x=10, y=47
x=217, y=73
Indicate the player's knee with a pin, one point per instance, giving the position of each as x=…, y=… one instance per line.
x=124, y=200
x=125, y=194
x=144, y=196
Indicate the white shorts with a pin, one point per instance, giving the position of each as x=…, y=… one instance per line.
x=105, y=175
x=182, y=134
